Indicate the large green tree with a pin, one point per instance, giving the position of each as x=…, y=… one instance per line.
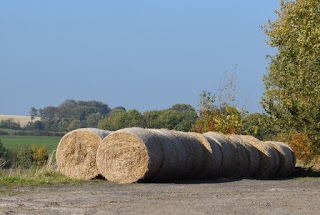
x=292, y=85
x=121, y=119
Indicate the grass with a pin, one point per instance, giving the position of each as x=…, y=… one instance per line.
x=16, y=142
x=34, y=176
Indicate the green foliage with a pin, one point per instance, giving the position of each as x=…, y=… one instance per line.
x=63, y=125
x=302, y=145
x=34, y=176
x=179, y=117
x=39, y=155
x=10, y=124
x=225, y=119
x=5, y=155
x=37, y=125
x=26, y=157
x=116, y=110
x=220, y=113
x=93, y=120
x=3, y=132
x=255, y=125
x=74, y=124
x=73, y=114
x=70, y=115
x=121, y=119
x=2, y=149
x=22, y=158
x=292, y=85
x=33, y=113
x=151, y=118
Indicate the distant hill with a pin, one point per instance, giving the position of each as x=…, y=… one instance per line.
x=23, y=120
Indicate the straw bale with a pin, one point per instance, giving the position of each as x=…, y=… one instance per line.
x=230, y=155
x=292, y=153
x=267, y=159
x=277, y=157
x=212, y=155
x=129, y=155
x=243, y=156
x=76, y=153
x=195, y=159
x=174, y=156
x=286, y=159
x=252, y=155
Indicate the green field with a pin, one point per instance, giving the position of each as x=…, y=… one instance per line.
x=16, y=142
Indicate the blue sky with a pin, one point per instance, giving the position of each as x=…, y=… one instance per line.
x=141, y=54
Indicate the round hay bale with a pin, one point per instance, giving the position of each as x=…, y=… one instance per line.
x=243, y=169
x=292, y=153
x=267, y=159
x=174, y=156
x=286, y=164
x=76, y=153
x=230, y=155
x=212, y=155
x=195, y=158
x=252, y=155
x=277, y=157
x=129, y=155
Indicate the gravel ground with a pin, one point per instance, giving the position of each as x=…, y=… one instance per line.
x=293, y=196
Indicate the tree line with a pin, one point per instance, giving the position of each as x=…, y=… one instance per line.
x=73, y=114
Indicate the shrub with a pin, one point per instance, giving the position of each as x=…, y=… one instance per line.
x=3, y=133
x=39, y=155
x=23, y=158
x=302, y=145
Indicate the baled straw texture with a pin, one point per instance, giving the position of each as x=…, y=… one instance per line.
x=76, y=153
x=174, y=156
x=252, y=155
x=277, y=157
x=286, y=164
x=212, y=154
x=267, y=159
x=230, y=154
x=292, y=153
x=129, y=155
x=243, y=156
x=195, y=160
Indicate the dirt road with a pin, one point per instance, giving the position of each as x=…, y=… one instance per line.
x=295, y=196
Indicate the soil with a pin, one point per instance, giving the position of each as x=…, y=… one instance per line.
x=293, y=196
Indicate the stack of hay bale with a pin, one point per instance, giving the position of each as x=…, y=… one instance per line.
x=136, y=154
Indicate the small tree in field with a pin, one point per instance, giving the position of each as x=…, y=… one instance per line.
x=220, y=115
